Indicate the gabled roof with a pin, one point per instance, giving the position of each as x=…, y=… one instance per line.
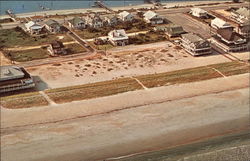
x=243, y=11
x=196, y=39
x=175, y=29
x=33, y=25
x=124, y=14
x=149, y=15
x=51, y=22
x=76, y=20
x=118, y=34
x=57, y=44
x=199, y=10
x=220, y=23
x=229, y=35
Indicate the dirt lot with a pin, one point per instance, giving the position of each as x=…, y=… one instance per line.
x=147, y=59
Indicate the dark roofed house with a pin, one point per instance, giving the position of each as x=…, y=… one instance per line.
x=195, y=45
x=230, y=41
x=53, y=26
x=174, y=30
x=171, y=30
x=14, y=78
x=77, y=23
x=244, y=29
x=110, y=20
x=56, y=47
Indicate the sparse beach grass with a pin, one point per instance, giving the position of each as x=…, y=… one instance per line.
x=121, y=85
x=25, y=100
x=93, y=90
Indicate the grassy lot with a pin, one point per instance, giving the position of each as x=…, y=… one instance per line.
x=193, y=74
x=106, y=88
x=102, y=47
x=232, y=68
x=27, y=55
x=75, y=48
x=137, y=26
x=6, y=20
x=17, y=37
x=93, y=90
x=149, y=37
x=23, y=100
x=177, y=77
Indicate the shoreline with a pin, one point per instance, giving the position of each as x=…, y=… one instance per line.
x=73, y=11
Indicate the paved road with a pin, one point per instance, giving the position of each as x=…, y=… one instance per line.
x=189, y=24
x=208, y=8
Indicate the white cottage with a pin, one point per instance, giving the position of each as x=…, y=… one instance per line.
x=218, y=23
x=153, y=18
x=118, y=37
x=126, y=16
x=77, y=23
x=33, y=28
x=198, y=12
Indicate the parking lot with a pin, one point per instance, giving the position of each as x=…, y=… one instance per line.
x=189, y=24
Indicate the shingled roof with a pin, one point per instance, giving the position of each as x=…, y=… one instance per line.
x=229, y=35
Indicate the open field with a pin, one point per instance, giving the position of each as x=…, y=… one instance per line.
x=23, y=100
x=102, y=47
x=150, y=37
x=17, y=37
x=106, y=88
x=75, y=48
x=27, y=55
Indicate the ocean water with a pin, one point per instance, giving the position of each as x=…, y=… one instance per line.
x=32, y=6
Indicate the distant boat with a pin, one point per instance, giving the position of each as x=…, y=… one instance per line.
x=9, y=11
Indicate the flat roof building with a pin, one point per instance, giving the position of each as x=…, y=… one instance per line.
x=14, y=78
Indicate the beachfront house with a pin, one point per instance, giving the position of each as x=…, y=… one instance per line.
x=241, y=15
x=77, y=23
x=34, y=28
x=172, y=30
x=218, y=23
x=94, y=21
x=230, y=41
x=244, y=29
x=14, y=78
x=198, y=12
x=56, y=48
x=195, y=45
x=126, y=16
x=153, y=18
x=52, y=26
x=118, y=37
x=110, y=20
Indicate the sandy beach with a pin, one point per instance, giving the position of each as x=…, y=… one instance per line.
x=124, y=132
x=62, y=12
